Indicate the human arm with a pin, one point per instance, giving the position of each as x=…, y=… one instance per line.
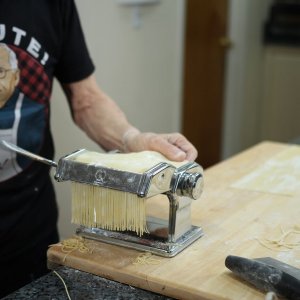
x=105, y=123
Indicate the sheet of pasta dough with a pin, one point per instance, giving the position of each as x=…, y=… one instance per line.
x=278, y=175
x=138, y=162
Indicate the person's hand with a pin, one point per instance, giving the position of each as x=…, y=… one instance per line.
x=174, y=146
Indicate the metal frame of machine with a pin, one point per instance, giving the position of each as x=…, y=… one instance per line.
x=179, y=185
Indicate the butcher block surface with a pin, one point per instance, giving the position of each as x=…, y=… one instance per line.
x=235, y=217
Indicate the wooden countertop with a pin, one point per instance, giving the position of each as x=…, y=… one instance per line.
x=235, y=217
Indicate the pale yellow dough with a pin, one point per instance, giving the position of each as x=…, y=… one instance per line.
x=137, y=162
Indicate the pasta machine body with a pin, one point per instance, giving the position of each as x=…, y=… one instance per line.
x=179, y=186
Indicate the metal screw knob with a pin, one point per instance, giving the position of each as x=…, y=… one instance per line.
x=190, y=185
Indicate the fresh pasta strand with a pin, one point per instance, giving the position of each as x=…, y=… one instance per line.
x=66, y=289
x=264, y=244
x=146, y=259
x=282, y=243
x=72, y=244
x=99, y=207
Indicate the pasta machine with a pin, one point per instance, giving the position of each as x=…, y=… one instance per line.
x=165, y=237
x=180, y=186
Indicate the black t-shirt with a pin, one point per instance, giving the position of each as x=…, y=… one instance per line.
x=39, y=40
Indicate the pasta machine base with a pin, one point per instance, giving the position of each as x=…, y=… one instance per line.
x=146, y=242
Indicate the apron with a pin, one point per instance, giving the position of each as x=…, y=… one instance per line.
x=8, y=159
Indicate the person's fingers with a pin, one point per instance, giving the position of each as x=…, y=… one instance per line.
x=182, y=143
x=170, y=151
x=173, y=146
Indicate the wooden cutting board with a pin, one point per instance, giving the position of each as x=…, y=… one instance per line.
x=235, y=220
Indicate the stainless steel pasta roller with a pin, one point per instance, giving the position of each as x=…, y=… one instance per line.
x=165, y=236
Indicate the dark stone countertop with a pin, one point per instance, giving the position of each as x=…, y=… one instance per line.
x=80, y=285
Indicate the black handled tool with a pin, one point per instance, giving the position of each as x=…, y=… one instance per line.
x=267, y=274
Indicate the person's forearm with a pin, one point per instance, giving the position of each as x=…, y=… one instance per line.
x=104, y=122
x=99, y=116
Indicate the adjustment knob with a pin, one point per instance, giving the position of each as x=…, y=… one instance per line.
x=190, y=185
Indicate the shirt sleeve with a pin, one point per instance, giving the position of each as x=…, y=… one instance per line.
x=74, y=63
